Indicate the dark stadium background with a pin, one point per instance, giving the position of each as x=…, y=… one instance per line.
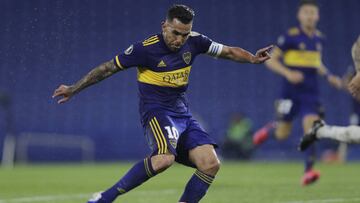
x=46, y=43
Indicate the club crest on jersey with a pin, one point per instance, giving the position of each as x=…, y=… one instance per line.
x=302, y=46
x=129, y=50
x=187, y=57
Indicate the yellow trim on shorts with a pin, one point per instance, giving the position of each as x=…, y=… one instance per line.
x=159, y=136
x=159, y=144
x=162, y=135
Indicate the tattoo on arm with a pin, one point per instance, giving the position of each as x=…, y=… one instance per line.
x=96, y=75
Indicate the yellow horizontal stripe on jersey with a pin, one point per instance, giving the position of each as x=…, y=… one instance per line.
x=302, y=58
x=176, y=78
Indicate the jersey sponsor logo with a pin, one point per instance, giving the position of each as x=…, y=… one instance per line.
x=176, y=78
x=302, y=46
x=187, y=57
x=161, y=64
x=129, y=50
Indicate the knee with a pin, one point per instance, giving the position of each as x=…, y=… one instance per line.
x=209, y=165
x=162, y=162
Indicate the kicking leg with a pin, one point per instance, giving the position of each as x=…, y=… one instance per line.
x=207, y=163
x=138, y=174
x=163, y=157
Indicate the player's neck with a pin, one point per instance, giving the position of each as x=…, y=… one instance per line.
x=309, y=31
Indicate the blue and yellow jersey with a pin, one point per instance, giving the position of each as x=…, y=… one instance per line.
x=162, y=74
x=303, y=53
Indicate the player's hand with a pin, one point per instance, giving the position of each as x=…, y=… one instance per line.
x=295, y=77
x=64, y=91
x=263, y=54
x=354, y=86
x=335, y=81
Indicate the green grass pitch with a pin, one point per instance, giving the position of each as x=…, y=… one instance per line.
x=254, y=182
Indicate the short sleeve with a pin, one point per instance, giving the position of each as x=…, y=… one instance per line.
x=133, y=56
x=283, y=42
x=203, y=43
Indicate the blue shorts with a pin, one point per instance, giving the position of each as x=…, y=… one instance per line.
x=287, y=109
x=175, y=133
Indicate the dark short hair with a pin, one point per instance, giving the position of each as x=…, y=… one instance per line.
x=308, y=2
x=181, y=12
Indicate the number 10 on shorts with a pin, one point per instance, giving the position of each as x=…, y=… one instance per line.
x=172, y=132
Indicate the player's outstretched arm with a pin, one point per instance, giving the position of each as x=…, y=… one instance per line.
x=96, y=75
x=275, y=65
x=240, y=55
x=333, y=80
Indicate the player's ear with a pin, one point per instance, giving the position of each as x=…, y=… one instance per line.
x=163, y=25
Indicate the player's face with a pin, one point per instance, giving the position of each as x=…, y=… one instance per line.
x=308, y=15
x=175, y=33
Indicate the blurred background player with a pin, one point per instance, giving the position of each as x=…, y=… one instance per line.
x=354, y=85
x=298, y=59
x=164, y=62
x=349, y=134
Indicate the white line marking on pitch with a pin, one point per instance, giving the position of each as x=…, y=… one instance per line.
x=325, y=200
x=46, y=198
x=52, y=198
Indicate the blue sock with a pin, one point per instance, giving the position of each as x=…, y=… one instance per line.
x=310, y=157
x=196, y=187
x=138, y=174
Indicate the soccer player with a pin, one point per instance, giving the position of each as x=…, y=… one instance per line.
x=297, y=58
x=164, y=63
x=348, y=134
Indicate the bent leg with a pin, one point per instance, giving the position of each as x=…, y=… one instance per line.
x=138, y=174
x=207, y=163
x=283, y=130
